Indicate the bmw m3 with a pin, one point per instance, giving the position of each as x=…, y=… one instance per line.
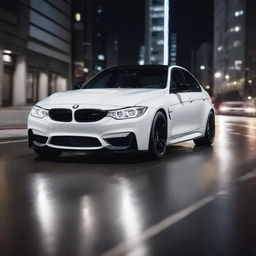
x=142, y=108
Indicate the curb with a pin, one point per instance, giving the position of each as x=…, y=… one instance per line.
x=13, y=128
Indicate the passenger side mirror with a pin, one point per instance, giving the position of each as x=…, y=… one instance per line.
x=174, y=87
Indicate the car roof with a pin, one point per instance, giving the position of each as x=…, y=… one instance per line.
x=141, y=67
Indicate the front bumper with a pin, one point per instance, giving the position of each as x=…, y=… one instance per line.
x=107, y=133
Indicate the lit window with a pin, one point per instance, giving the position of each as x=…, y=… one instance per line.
x=160, y=42
x=78, y=17
x=86, y=70
x=220, y=48
x=157, y=8
x=7, y=58
x=157, y=28
x=157, y=15
x=237, y=28
x=7, y=51
x=101, y=57
x=237, y=43
x=152, y=58
x=239, y=13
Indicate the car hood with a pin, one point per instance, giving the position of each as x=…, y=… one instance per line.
x=108, y=98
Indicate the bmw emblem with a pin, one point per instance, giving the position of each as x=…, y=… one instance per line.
x=75, y=106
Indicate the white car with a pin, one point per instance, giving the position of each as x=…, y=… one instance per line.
x=140, y=108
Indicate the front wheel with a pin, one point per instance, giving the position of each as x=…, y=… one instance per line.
x=208, y=138
x=158, y=136
x=48, y=153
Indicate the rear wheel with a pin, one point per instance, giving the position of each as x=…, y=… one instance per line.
x=48, y=153
x=208, y=138
x=158, y=136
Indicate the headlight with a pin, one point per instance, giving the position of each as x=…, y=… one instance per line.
x=249, y=110
x=39, y=112
x=125, y=113
x=223, y=108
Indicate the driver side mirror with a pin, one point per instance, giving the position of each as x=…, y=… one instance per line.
x=174, y=87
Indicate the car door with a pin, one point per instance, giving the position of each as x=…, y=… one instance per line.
x=179, y=106
x=197, y=101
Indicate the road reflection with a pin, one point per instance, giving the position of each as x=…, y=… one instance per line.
x=46, y=213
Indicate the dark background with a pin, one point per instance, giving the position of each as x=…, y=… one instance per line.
x=191, y=20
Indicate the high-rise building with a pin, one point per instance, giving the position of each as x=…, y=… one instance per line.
x=157, y=32
x=235, y=49
x=96, y=40
x=173, y=49
x=203, y=66
x=79, y=70
x=35, y=50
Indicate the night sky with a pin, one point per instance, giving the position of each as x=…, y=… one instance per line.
x=192, y=20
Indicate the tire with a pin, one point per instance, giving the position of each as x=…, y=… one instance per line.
x=208, y=138
x=48, y=153
x=158, y=137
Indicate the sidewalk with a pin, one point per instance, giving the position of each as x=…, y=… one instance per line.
x=13, y=122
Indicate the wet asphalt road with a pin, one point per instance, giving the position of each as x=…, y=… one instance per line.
x=196, y=201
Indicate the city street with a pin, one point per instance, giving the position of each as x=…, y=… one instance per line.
x=195, y=201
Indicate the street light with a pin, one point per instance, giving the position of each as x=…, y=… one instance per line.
x=249, y=97
x=227, y=77
x=218, y=74
x=202, y=67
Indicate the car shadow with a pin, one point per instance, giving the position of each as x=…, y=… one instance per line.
x=173, y=152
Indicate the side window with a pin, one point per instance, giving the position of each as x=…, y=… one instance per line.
x=177, y=76
x=191, y=82
x=181, y=83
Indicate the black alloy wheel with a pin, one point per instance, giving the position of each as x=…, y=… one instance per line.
x=158, y=136
x=208, y=138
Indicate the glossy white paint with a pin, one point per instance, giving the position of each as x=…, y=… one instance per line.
x=187, y=113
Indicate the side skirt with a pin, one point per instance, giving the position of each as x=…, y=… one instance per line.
x=185, y=137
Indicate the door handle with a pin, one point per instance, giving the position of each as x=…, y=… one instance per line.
x=204, y=98
x=190, y=100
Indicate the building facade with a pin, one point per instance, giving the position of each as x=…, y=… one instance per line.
x=35, y=50
x=203, y=66
x=157, y=32
x=234, y=49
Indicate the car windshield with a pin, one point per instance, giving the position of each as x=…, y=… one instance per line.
x=129, y=79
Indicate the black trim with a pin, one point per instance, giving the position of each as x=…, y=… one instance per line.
x=75, y=141
x=61, y=114
x=123, y=143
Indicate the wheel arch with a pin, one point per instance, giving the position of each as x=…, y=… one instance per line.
x=160, y=109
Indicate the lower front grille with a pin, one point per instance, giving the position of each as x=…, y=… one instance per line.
x=75, y=141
